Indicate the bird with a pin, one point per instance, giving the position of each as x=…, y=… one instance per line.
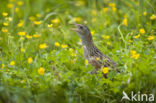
x=91, y=53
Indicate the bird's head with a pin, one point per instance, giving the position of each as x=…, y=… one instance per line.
x=82, y=30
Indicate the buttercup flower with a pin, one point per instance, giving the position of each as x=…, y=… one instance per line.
x=105, y=70
x=57, y=44
x=43, y=46
x=92, y=32
x=144, y=13
x=4, y=30
x=5, y=24
x=38, y=15
x=153, y=17
x=64, y=46
x=3, y=66
x=37, y=22
x=22, y=50
x=86, y=62
x=151, y=38
x=30, y=60
x=80, y=3
x=77, y=19
x=28, y=37
x=20, y=3
x=142, y=31
x=41, y=71
x=4, y=14
x=50, y=25
x=32, y=18
x=20, y=24
x=21, y=33
x=137, y=36
x=105, y=36
x=124, y=22
x=12, y=63
x=55, y=21
x=108, y=43
x=134, y=54
x=10, y=5
x=105, y=10
x=16, y=9
x=97, y=58
x=36, y=35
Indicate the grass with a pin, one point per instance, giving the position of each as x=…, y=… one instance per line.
x=41, y=59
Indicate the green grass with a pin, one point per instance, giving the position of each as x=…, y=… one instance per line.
x=66, y=78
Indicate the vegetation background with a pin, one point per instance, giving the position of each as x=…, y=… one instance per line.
x=41, y=59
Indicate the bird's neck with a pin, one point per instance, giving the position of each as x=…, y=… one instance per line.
x=88, y=42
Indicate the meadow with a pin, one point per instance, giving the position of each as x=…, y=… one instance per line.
x=41, y=59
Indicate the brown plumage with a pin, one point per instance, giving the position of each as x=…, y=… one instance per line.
x=90, y=51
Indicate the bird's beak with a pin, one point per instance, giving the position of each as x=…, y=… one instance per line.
x=75, y=29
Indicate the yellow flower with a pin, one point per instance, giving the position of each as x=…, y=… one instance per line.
x=94, y=12
x=32, y=18
x=22, y=50
x=12, y=0
x=93, y=32
x=105, y=10
x=28, y=37
x=4, y=14
x=73, y=54
x=105, y=70
x=105, y=36
x=64, y=46
x=144, y=13
x=71, y=49
x=153, y=17
x=137, y=36
x=57, y=44
x=130, y=41
x=20, y=3
x=80, y=3
x=134, y=54
x=30, y=60
x=50, y=25
x=10, y=5
x=93, y=20
x=16, y=10
x=108, y=43
x=142, y=31
x=112, y=4
x=41, y=71
x=21, y=33
x=77, y=19
x=5, y=24
x=97, y=58
x=38, y=15
x=20, y=24
x=36, y=35
x=8, y=18
x=151, y=38
x=12, y=63
x=55, y=21
x=3, y=66
x=86, y=62
x=114, y=9
x=4, y=30
x=124, y=22
x=37, y=22
x=43, y=46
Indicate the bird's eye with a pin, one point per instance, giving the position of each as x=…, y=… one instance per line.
x=81, y=27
